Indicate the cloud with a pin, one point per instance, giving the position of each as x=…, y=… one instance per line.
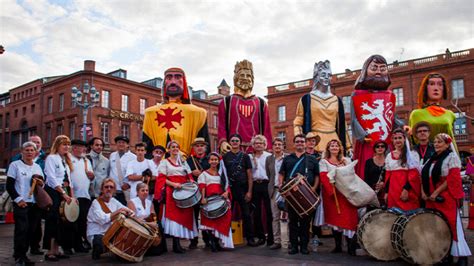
x=283, y=39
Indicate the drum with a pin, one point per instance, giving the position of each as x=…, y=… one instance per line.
x=422, y=236
x=69, y=212
x=129, y=238
x=215, y=207
x=188, y=196
x=373, y=234
x=299, y=195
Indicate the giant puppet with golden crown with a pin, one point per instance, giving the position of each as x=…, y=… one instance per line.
x=242, y=112
x=177, y=118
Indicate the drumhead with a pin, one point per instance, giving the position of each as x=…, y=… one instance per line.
x=132, y=223
x=71, y=211
x=374, y=234
x=187, y=192
x=426, y=237
x=214, y=204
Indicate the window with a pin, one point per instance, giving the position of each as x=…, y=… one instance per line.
x=142, y=106
x=105, y=99
x=104, y=131
x=346, y=101
x=24, y=110
x=50, y=105
x=48, y=135
x=1, y=122
x=460, y=124
x=214, y=120
x=281, y=113
x=282, y=135
x=72, y=130
x=61, y=102
x=458, y=88
x=125, y=131
x=398, y=96
x=33, y=107
x=16, y=113
x=124, y=103
x=59, y=129
x=7, y=120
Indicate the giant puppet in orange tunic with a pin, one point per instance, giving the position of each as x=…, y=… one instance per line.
x=176, y=119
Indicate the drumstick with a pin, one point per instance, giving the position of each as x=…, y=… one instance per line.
x=335, y=198
x=32, y=187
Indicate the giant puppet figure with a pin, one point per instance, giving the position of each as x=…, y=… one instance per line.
x=176, y=119
x=243, y=113
x=372, y=109
x=320, y=111
x=432, y=90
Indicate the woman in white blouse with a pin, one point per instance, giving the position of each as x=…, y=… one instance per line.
x=141, y=205
x=58, y=167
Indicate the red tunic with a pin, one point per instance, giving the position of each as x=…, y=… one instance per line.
x=397, y=177
x=348, y=217
x=175, y=173
x=450, y=172
x=213, y=187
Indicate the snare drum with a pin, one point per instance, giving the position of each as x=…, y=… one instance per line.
x=422, y=236
x=373, y=234
x=299, y=195
x=69, y=212
x=129, y=238
x=215, y=207
x=188, y=196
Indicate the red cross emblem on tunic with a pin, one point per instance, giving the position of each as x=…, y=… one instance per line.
x=245, y=110
x=168, y=118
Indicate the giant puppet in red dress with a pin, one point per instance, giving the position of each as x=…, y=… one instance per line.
x=243, y=113
x=372, y=109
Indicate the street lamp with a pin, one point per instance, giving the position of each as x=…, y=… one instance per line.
x=85, y=103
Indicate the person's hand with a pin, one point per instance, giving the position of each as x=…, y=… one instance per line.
x=385, y=197
x=225, y=147
x=404, y=195
x=22, y=204
x=203, y=201
x=196, y=172
x=225, y=195
x=67, y=198
x=248, y=196
x=90, y=175
x=424, y=197
x=433, y=196
x=367, y=139
x=177, y=186
x=379, y=186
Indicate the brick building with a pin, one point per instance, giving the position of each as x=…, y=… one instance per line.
x=45, y=107
x=457, y=67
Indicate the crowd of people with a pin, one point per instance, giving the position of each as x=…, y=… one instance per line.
x=402, y=166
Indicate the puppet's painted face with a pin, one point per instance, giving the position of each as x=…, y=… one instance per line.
x=435, y=89
x=244, y=79
x=173, y=83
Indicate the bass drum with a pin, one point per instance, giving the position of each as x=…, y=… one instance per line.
x=373, y=234
x=421, y=236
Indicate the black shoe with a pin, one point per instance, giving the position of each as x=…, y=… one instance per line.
x=270, y=243
x=81, y=250
x=86, y=245
x=213, y=245
x=193, y=244
x=260, y=242
x=177, y=246
x=62, y=256
x=251, y=243
x=462, y=261
x=68, y=252
x=36, y=251
x=337, y=249
x=50, y=257
x=293, y=251
x=19, y=262
x=304, y=251
x=275, y=246
x=96, y=254
x=289, y=245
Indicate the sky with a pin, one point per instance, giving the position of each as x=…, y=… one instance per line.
x=283, y=39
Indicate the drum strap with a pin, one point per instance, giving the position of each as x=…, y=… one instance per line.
x=296, y=166
x=103, y=206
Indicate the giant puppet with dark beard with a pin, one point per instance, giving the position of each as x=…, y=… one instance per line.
x=372, y=109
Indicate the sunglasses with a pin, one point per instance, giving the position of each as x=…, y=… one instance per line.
x=234, y=140
x=380, y=146
x=299, y=141
x=109, y=187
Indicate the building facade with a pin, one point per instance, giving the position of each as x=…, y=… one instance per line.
x=45, y=107
x=406, y=76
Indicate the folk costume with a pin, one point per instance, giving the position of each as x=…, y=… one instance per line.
x=178, y=120
x=470, y=171
x=220, y=227
x=446, y=167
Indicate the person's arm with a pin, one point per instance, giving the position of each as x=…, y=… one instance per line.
x=131, y=206
x=440, y=189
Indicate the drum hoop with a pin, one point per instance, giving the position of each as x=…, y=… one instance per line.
x=138, y=232
x=124, y=255
x=290, y=185
x=62, y=211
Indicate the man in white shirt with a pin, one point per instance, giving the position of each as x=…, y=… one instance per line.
x=104, y=210
x=100, y=165
x=81, y=178
x=260, y=189
x=118, y=166
x=272, y=167
x=136, y=169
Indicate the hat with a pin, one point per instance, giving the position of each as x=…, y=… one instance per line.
x=199, y=141
x=312, y=135
x=123, y=138
x=159, y=147
x=78, y=142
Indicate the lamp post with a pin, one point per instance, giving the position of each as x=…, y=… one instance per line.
x=91, y=98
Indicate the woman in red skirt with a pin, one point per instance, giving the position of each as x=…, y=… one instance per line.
x=211, y=184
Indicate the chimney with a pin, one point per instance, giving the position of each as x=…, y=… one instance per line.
x=89, y=65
